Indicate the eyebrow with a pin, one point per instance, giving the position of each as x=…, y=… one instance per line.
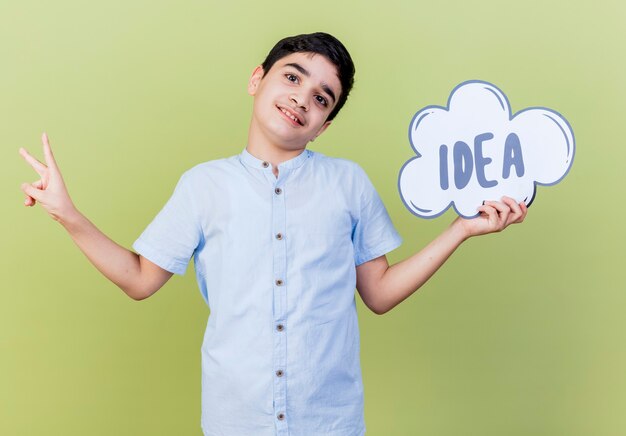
x=304, y=71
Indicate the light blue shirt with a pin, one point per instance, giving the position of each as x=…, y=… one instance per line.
x=275, y=261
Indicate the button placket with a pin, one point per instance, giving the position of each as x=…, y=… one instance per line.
x=268, y=172
x=279, y=253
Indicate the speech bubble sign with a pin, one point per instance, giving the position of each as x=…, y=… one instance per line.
x=475, y=149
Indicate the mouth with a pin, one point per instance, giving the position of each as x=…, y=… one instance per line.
x=291, y=116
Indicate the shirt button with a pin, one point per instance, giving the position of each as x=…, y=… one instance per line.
x=265, y=164
x=280, y=327
x=279, y=282
x=280, y=416
x=278, y=191
x=279, y=236
x=279, y=373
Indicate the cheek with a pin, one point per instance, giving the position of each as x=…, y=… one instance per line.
x=264, y=101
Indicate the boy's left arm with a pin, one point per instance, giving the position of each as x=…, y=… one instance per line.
x=382, y=287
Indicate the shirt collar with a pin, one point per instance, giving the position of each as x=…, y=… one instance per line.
x=290, y=164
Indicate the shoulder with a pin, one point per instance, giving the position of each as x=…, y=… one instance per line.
x=345, y=176
x=344, y=167
x=209, y=169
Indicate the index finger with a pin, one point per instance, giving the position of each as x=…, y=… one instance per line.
x=524, y=209
x=34, y=162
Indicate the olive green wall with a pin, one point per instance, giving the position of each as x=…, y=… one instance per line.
x=520, y=333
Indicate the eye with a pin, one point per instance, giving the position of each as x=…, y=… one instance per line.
x=292, y=77
x=321, y=100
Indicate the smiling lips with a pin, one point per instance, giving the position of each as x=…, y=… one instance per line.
x=291, y=116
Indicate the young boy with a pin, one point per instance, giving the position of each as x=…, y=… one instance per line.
x=280, y=237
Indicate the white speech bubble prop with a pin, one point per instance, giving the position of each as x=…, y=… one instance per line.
x=475, y=150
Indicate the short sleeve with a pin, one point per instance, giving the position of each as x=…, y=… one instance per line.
x=374, y=233
x=174, y=234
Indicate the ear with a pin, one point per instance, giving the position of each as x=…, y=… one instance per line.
x=322, y=129
x=255, y=79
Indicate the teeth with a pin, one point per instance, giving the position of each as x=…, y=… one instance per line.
x=290, y=115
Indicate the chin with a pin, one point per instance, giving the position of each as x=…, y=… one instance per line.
x=287, y=137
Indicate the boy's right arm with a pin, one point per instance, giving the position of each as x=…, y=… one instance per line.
x=134, y=274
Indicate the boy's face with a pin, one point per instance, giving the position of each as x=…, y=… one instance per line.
x=293, y=100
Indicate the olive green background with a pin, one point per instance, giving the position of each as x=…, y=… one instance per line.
x=519, y=333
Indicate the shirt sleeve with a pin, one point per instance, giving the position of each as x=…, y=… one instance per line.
x=174, y=234
x=374, y=233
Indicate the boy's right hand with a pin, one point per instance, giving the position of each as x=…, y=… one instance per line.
x=137, y=276
x=49, y=190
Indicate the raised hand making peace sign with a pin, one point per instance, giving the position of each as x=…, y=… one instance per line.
x=49, y=190
x=134, y=274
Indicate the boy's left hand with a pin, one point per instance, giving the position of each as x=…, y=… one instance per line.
x=494, y=216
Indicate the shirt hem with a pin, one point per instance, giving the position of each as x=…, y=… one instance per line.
x=378, y=251
x=150, y=253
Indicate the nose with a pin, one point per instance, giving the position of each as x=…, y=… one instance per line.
x=300, y=101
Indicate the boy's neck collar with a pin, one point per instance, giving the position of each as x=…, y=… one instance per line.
x=290, y=164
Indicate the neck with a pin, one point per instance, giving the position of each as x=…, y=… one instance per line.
x=262, y=148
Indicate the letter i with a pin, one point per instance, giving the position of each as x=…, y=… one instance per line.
x=443, y=167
